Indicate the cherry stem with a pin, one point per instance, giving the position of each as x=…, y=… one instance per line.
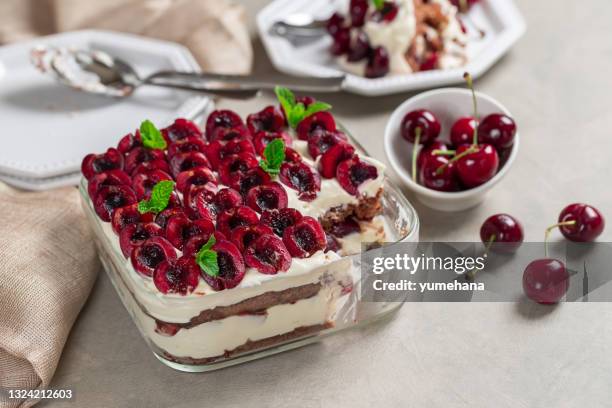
x=471, y=150
x=470, y=84
x=437, y=152
x=472, y=274
x=415, y=151
x=552, y=227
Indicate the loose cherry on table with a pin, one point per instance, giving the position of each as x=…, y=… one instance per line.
x=581, y=222
x=502, y=233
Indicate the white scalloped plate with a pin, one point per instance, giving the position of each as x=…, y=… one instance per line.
x=500, y=19
x=47, y=128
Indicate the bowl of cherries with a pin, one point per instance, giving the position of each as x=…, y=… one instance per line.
x=451, y=146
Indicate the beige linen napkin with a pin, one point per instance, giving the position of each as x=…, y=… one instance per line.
x=214, y=30
x=48, y=265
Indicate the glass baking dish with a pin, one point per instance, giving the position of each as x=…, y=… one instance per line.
x=401, y=223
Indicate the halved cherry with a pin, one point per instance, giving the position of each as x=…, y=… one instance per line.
x=217, y=151
x=134, y=235
x=332, y=157
x=226, y=199
x=304, y=238
x=243, y=236
x=195, y=243
x=180, y=228
x=108, y=178
x=187, y=161
x=177, y=276
x=301, y=177
x=108, y=198
x=270, y=196
x=228, y=220
x=249, y=179
x=129, y=141
x=222, y=119
x=197, y=176
x=280, y=220
x=269, y=119
x=189, y=144
x=199, y=201
x=353, y=172
x=231, y=267
x=152, y=252
x=143, y=183
x=268, y=255
x=98, y=163
x=162, y=218
x=320, y=120
x=181, y=129
x=322, y=140
x=229, y=134
x=157, y=164
x=124, y=216
x=262, y=138
x=292, y=156
x=235, y=166
x=140, y=155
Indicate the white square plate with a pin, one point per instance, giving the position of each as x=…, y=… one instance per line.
x=500, y=19
x=47, y=128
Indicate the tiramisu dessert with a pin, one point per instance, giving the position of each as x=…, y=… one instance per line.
x=373, y=38
x=231, y=239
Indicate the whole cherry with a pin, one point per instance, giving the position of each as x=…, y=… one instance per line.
x=462, y=131
x=545, y=280
x=580, y=222
x=498, y=130
x=502, y=233
x=419, y=127
x=430, y=177
x=476, y=164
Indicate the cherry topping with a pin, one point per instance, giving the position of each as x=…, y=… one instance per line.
x=152, y=252
x=124, y=216
x=143, y=183
x=141, y=155
x=195, y=243
x=359, y=48
x=226, y=199
x=231, y=267
x=341, y=41
x=187, y=161
x=261, y=139
x=378, y=63
x=241, y=216
x=424, y=120
x=98, y=163
x=195, y=177
x=354, y=172
x=268, y=255
x=345, y=227
x=332, y=244
x=478, y=165
x=235, y=166
x=110, y=197
x=357, y=12
x=162, y=218
x=334, y=23
x=108, y=178
x=242, y=237
x=430, y=62
x=279, y=220
x=180, y=228
x=128, y=142
x=249, y=179
x=270, y=119
x=502, y=233
x=462, y=131
x=321, y=140
x=498, y=130
x=216, y=151
x=581, y=222
x=177, y=276
x=320, y=120
x=134, y=235
x=270, y=196
x=438, y=173
x=545, y=281
x=223, y=119
x=189, y=144
x=199, y=201
x=332, y=157
x=387, y=13
x=181, y=129
x=292, y=156
x=301, y=177
x=304, y=238
x=155, y=164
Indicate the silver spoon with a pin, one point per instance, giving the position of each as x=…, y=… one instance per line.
x=98, y=72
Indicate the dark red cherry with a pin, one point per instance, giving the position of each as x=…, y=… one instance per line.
x=301, y=177
x=502, y=232
x=134, y=235
x=545, y=281
x=242, y=237
x=108, y=178
x=292, y=156
x=270, y=119
x=279, y=220
x=345, y=227
x=432, y=177
x=124, y=216
x=199, y=201
x=180, y=228
x=588, y=224
x=181, y=129
x=162, y=218
x=462, y=131
x=420, y=119
x=187, y=161
x=341, y=41
x=152, y=252
x=268, y=255
x=235, y=166
x=478, y=167
x=155, y=164
x=140, y=155
x=195, y=243
x=359, y=47
x=428, y=151
x=222, y=119
x=249, y=179
x=231, y=267
x=378, y=63
x=270, y=196
x=226, y=199
x=143, y=183
x=261, y=139
x=216, y=151
x=430, y=62
x=497, y=130
x=357, y=12
x=189, y=144
x=197, y=176
x=98, y=163
x=128, y=142
x=304, y=238
x=352, y=173
x=320, y=120
x=227, y=134
x=328, y=164
x=108, y=198
x=321, y=140
x=334, y=23
x=177, y=276
x=228, y=220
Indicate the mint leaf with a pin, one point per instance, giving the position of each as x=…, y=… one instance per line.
x=151, y=136
x=296, y=115
x=286, y=98
x=379, y=4
x=273, y=157
x=316, y=107
x=206, y=258
x=160, y=196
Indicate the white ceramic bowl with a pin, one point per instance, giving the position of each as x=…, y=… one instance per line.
x=448, y=104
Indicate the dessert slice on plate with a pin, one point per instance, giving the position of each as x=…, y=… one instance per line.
x=232, y=239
